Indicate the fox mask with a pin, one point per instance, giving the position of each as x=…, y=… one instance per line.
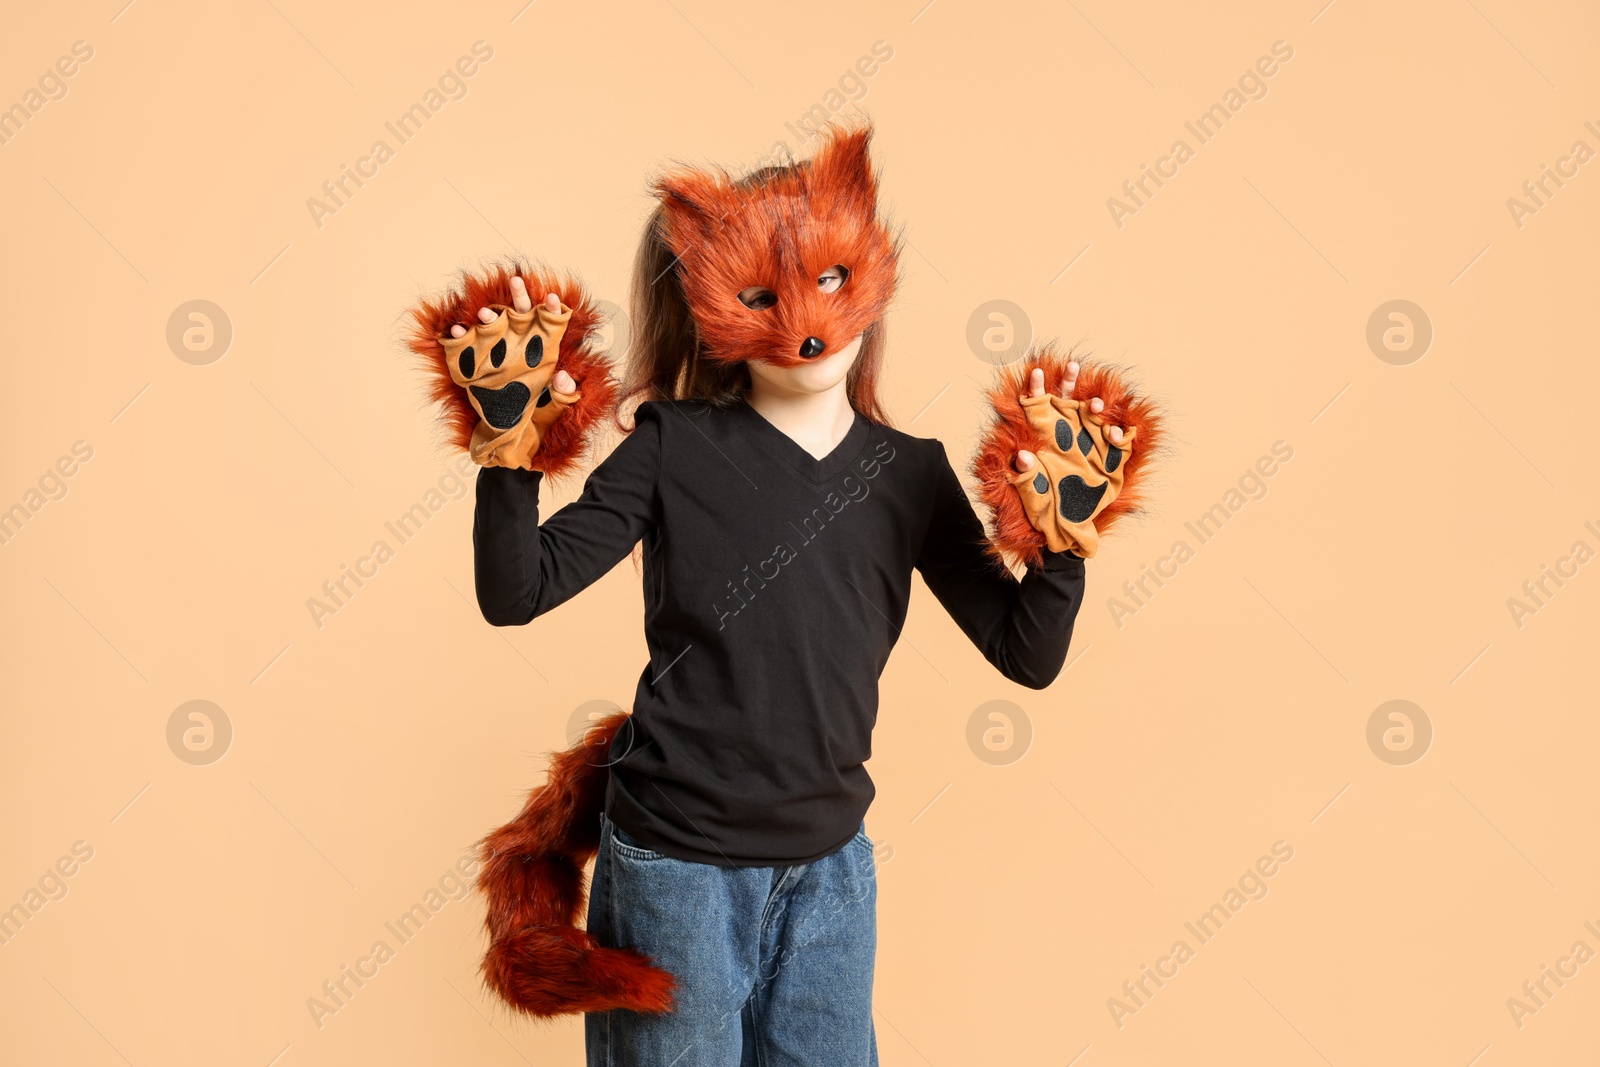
x=786, y=267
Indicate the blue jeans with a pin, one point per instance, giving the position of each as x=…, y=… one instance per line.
x=774, y=964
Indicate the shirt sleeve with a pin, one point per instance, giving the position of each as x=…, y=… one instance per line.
x=1022, y=627
x=523, y=568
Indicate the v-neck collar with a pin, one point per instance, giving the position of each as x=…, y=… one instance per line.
x=818, y=470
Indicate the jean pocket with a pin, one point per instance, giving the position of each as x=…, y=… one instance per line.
x=624, y=845
x=861, y=840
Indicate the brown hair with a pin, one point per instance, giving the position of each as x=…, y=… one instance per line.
x=666, y=357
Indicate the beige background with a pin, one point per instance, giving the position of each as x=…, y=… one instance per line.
x=1227, y=714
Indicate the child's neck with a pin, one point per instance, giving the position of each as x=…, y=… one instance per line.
x=817, y=422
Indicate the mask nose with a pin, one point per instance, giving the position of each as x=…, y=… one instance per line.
x=811, y=347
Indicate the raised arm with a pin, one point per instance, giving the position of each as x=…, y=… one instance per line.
x=523, y=568
x=1056, y=473
x=1023, y=628
x=509, y=356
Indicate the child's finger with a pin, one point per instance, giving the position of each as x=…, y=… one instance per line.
x=1036, y=382
x=487, y=315
x=1070, y=382
x=1025, y=461
x=563, y=383
x=1097, y=405
x=552, y=303
x=519, y=295
x=458, y=330
x=1115, y=433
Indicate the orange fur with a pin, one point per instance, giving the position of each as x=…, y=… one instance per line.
x=781, y=234
x=1012, y=537
x=539, y=961
x=566, y=442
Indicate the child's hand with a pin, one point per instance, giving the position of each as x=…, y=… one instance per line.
x=1057, y=472
x=1026, y=460
x=1080, y=472
x=505, y=351
x=562, y=382
x=507, y=365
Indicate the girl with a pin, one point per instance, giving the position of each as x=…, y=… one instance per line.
x=781, y=519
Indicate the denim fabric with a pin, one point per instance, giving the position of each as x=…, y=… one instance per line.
x=774, y=964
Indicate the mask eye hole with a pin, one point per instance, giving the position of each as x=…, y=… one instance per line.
x=757, y=297
x=830, y=280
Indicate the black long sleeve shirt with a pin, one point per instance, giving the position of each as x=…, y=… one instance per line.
x=775, y=586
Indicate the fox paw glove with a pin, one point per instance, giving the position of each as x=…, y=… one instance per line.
x=1083, y=482
x=1078, y=474
x=505, y=368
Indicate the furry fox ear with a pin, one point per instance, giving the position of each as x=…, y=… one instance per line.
x=692, y=204
x=844, y=164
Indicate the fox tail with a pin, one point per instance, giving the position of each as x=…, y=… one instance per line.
x=539, y=961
